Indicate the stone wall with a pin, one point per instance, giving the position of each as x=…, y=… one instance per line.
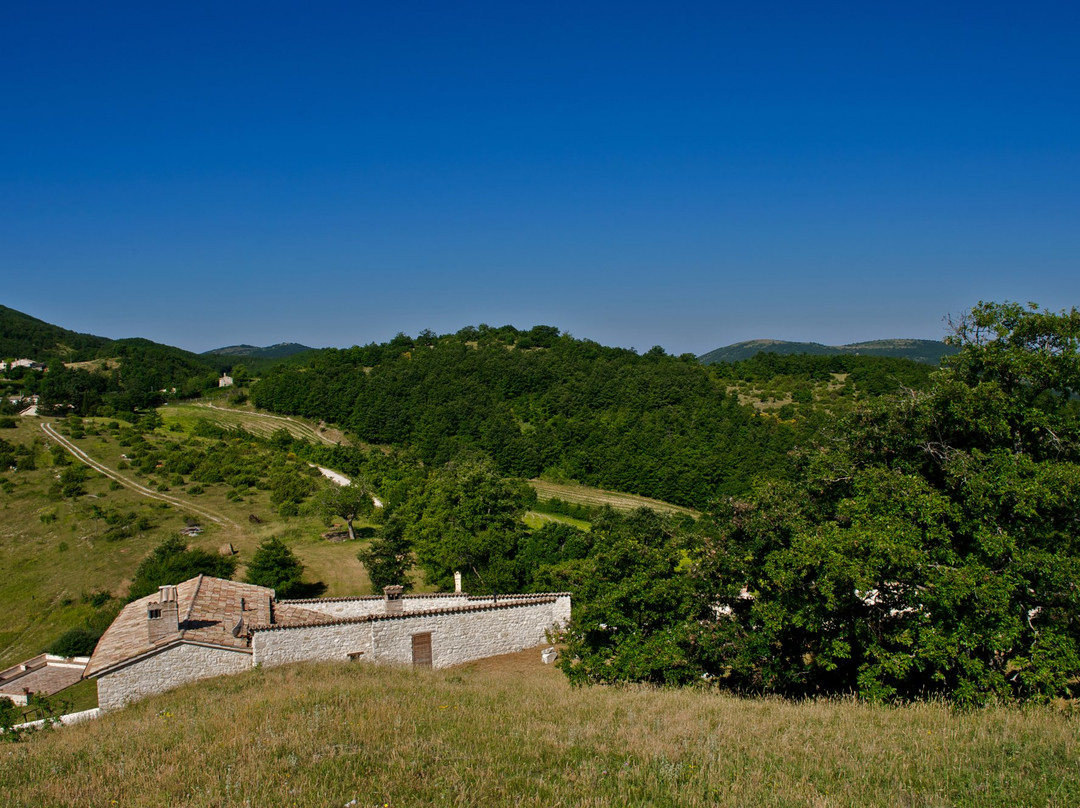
x=463, y=636
x=170, y=668
x=456, y=637
x=282, y=646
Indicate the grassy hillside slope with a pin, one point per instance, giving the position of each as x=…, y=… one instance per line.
x=512, y=732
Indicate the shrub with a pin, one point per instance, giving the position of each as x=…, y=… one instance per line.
x=276, y=566
x=75, y=642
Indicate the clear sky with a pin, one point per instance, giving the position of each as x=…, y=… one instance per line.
x=681, y=174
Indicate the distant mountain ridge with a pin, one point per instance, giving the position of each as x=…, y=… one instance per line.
x=279, y=351
x=927, y=351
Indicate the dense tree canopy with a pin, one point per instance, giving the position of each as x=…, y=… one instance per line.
x=932, y=546
x=538, y=402
x=276, y=566
x=467, y=518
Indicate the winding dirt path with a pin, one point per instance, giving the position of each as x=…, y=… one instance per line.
x=83, y=457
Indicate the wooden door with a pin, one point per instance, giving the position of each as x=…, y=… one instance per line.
x=421, y=650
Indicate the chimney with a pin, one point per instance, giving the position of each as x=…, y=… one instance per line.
x=457, y=582
x=163, y=615
x=394, y=603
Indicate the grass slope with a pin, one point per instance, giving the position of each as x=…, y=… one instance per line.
x=510, y=731
x=598, y=497
x=257, y=423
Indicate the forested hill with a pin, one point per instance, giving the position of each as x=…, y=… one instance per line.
x=540, y=402
x=927, y=351
x=96, y=374
x=279, y=351
x=26, y=337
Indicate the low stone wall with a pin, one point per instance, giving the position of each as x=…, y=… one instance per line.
x=312, y=643
x=174, y=666
x=470, y=633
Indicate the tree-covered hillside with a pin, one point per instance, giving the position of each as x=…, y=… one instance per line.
x=23, y=336
x=927, y=351
x=541, y=402
x=91, y=375
x=927, y=544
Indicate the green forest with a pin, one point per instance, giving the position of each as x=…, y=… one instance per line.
x=90, y=375
x=541, y=403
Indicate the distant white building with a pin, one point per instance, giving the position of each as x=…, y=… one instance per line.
x=23, y=363
x=225, y=381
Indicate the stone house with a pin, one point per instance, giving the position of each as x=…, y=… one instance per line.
x=208, y=627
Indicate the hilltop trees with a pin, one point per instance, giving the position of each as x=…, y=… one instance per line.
x=932, y=546
x=536, y=401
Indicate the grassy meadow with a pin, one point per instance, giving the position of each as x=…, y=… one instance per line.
x=257, y=423
x=511, y=731
x=598, y=498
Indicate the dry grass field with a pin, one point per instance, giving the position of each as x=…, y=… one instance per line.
x=510, y=731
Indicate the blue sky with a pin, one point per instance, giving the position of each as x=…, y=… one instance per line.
x=688, y=175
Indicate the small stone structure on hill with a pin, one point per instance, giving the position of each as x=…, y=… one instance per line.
x=209, y=626
x=43, y=675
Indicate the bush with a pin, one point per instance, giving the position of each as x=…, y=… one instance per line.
x=172, y=562
x=75, y=642
x=276, y=566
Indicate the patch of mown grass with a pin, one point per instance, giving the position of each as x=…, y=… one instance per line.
x=597, y=498
x=262, y=424
x=536, y=519
x=326, y=735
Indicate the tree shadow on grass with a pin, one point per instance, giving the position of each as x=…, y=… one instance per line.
x=307, y=589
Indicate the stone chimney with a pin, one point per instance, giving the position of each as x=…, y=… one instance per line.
x=394, y=602
x=163, y=615
x=457, y=582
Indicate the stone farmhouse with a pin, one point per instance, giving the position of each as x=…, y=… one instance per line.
x=208, y=627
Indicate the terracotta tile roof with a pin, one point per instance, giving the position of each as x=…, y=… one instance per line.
x=208, y=611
